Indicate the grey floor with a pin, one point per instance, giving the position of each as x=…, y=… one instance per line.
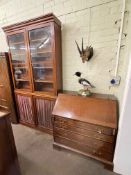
x=37, y=156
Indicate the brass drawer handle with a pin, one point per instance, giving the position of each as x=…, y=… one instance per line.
x=1, y=85
x=99, y=131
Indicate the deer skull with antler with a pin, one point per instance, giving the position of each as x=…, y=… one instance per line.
x=85, y=54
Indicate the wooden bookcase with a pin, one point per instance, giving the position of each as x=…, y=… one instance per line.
x=35, y=60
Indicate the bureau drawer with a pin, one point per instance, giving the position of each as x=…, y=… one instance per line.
x=83, y=148
x=61, y=121
x=85, y=132
x=78, y=137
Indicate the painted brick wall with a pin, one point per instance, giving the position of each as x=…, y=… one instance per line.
x=94, y=20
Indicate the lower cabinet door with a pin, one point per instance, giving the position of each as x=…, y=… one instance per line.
x=44, y=109
x=25, y=108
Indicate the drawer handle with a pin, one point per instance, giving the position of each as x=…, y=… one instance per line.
x=1, y=85
x=99, y=131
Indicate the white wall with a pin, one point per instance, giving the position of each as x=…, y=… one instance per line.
x=122, y=159
x=94, y=20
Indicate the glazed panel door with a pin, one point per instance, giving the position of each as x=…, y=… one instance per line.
x=40, y=43
x=19, y=60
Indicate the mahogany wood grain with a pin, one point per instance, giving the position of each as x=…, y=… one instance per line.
x=58, y=57
x=43, y=129
x=107, y=164
x=87, y=125
x=35, y=21
x=91, y=110
x=8, y=156
x=25, y=108
x=37, y=94
x=83, y=125
x=83, y=148
x=44, y=109
x=87, y=132
x=7, y=99
x=85, y=139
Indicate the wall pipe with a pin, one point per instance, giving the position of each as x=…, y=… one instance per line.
x=120, y=37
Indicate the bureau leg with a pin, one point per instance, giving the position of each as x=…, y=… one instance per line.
x=108, y=167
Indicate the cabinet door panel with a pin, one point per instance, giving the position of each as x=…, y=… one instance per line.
x=25, y=108
x=40, y=40
x=20, y=65
x=44, y=109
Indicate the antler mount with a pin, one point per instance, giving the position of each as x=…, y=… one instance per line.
x=85, y=54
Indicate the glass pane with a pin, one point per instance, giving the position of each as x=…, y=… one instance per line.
x=20, y=73
x=40, y=44
x=39, y=86
x=21, y=76
x=19, y=60
x=40, y=73
x=41, y=56
x=16, y=38
x=21, y=84
x=17, y=48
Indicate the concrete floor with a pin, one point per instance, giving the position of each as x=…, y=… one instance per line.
x=37, y=156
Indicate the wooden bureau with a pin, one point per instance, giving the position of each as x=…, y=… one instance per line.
x=87, y=125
